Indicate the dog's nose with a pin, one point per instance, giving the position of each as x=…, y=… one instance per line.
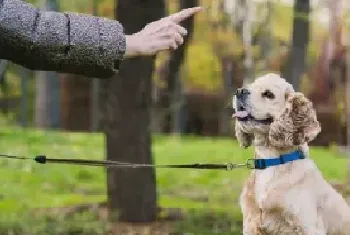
x=240, y=92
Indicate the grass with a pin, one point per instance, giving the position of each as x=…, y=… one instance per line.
x=210, y=198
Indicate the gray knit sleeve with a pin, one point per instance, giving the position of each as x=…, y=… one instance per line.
x=63, y=42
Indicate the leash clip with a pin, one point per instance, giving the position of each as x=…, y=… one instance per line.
x=230, y=166
x=250, y=163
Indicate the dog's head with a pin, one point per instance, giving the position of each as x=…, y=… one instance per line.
x=270, y=106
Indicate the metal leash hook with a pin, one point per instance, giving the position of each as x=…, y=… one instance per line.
x=247, y=164
x=231, y=166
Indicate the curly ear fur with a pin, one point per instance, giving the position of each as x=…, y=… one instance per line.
x=296, y=125
x=244, y=139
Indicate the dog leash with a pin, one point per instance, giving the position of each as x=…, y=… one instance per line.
x=42, y=159
x=249, y=163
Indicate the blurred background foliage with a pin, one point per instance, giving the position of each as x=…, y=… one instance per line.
x=215, y=63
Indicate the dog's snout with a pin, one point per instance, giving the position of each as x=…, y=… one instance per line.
x=240, y=92
x=241, y=99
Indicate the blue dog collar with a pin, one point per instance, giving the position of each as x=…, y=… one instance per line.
x=282, y=159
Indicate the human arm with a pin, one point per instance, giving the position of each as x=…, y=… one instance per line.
x=79, y=43
x=63, y=42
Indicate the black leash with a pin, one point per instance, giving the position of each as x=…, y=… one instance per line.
x=42, y=159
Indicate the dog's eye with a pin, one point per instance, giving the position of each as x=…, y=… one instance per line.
x=268, y=94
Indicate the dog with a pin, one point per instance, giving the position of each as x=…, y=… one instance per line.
x=285, y=193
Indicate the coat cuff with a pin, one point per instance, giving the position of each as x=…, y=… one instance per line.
x=112, y=42
x=99, y=42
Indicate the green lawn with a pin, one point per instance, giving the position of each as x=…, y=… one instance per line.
x=210, y=198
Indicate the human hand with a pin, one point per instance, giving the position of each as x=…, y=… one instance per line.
x=160, y=35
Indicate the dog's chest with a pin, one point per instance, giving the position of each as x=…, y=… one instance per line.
x=268, y=200
x=264, y=181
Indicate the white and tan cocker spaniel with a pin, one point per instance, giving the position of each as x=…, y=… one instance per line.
x=286, y=194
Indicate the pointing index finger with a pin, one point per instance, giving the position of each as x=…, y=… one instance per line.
x=181, y=15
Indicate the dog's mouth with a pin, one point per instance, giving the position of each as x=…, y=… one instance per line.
x=240, y=112
x=242, y=115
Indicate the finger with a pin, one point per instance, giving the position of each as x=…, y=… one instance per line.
x=181, y=15
x=178, y=38
x=181, y=30
x=165, y=45
x=175, y=27
x=173, y=45
x=171, y=26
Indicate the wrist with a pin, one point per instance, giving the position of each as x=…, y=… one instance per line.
x=132, y=46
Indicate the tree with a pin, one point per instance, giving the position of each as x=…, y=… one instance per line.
x=296, y=61
x=173, y=94
x=131, y=192
x=47, y=100
x=247, y=41
x=75, y=102
x=80, y=99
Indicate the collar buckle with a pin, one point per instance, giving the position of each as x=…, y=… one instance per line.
x=250, y=163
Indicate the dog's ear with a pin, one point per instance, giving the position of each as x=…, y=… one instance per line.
x=244, y=139
x=297, y=123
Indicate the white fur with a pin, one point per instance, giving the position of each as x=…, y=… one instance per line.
x=288, y=199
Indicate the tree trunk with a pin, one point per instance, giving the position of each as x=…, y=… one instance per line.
x=47, y=110
x=47, y=100
x=131, y=192
x=264, y=37
x=25, y=76
x=80, y=99
x=3, y=66
x=75, y=102
x=41, y=108
x=3, y=83
x=225, y=127
x=296, y=61
x=346, y=44
x=247, y=42
x=174, y=95
x=95, y=90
